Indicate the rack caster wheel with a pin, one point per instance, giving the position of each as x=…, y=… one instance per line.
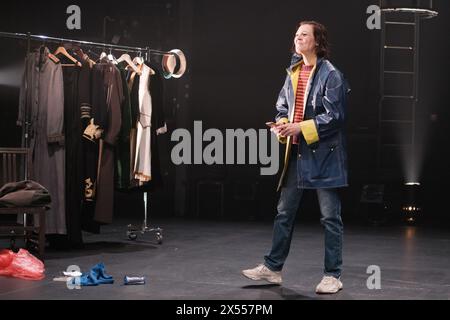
x=131, y=235
x=31, y=246
x=159, y=238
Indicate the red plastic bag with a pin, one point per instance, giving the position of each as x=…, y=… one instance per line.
x=21, y=265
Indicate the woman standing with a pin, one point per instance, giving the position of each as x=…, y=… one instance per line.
x=310, y=120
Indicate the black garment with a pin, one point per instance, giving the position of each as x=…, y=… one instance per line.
x=107, y=97
x=74, y=160
x=89, y=149
x=89, y=110
x=133, y=86
x=97, y=114
x=157, y=92
x=123, y=170
x=99, y=95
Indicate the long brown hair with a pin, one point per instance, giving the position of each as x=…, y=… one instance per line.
x=321, y=37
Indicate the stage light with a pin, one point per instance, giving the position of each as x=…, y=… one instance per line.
x=411, y=209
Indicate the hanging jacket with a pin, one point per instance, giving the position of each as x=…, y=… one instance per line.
x=123, y=162
x=42, y=106
x=104, y=202
x=142, y=165
x=158, y=126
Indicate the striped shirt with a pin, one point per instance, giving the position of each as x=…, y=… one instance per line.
x=300, y=95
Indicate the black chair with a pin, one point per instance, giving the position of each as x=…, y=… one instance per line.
x=15, y=165
x=211, y=188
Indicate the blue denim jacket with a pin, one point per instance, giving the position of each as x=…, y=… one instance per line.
x=322, y=155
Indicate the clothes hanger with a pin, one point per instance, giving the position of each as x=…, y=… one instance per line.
x=63, y=51
x=126, y=57
x=86, y=57
x=42, y=49
x=102, y=55
x=79, y=53
x=110, y=57
x=138, y=60
x=92, y=53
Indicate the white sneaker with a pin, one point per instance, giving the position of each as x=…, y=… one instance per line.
x=329, y=285
x=261, y=272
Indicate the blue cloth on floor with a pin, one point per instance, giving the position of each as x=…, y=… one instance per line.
x=97, y=275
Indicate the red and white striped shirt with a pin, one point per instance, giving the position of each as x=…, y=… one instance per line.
x=303, y=77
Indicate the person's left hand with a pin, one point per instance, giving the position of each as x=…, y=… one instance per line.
x=289, y=129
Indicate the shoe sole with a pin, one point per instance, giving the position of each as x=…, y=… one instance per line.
x=261, y=279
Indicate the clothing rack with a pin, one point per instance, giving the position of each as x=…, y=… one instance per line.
x=33, y=37
x=131, y=230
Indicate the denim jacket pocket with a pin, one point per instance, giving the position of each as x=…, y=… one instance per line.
x=325, y=164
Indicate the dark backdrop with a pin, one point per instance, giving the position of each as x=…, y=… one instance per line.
x=237, y=54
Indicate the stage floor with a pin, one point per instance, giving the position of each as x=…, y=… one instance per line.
x=202, y=260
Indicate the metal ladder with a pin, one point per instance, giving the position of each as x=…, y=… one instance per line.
x=399, y=84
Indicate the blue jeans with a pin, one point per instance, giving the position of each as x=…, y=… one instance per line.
x=330, y=207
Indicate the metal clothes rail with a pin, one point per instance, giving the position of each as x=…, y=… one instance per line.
x=45, y=39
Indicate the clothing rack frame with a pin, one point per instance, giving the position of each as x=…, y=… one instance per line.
x=42, y=38
x=132, y=230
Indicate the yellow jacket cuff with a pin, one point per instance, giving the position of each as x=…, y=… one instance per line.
x=309, y=131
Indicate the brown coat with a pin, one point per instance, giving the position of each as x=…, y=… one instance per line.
x=104, y=208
